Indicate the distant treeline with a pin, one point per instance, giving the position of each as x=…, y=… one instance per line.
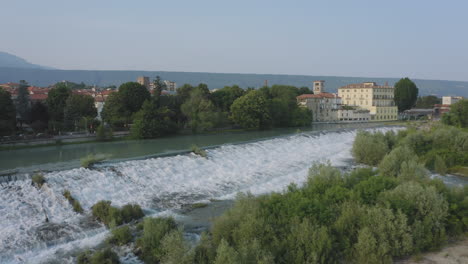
x=41, y=77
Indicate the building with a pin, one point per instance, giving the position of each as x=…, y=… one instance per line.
x=375, y=98
x=143, y=80
x=353, y=114
x=171, y=86
x=324, y=106
x=449, y=100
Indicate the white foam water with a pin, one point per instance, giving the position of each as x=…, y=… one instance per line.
x=157, y=185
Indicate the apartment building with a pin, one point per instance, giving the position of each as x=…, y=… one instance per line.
x=378, y=99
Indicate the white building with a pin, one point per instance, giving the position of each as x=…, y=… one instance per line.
x=449, y=100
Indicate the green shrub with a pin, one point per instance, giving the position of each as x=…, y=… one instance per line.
x=92, y=159
x=154, y=230
x=84, y=257
x=76, y=205
x=131, y=212
x=38, y=179
x=103, y=133
x=120, y=236
x=369, y=148
x=106, y=256
x=198, y=151
x=199, y=205
x=113, y=216
x=439, y=166
x=391, y=164
x=175, y=249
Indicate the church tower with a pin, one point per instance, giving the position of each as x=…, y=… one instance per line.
x=319, y=87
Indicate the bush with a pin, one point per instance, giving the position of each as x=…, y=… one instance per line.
x=103, y=133
x=38, y=179
x=112, y=216
x=92, y=159
x=154, y=230
x=391, y=164
x=369, y=148
x=198, y=151
x=175, y=249
x=120, y=236
x=106, y=256
x=439, y=166
x=76, y=205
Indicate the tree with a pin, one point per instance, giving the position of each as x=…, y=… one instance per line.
x=152, y=122
x=133, y=96
x=56, y=101
x=7, y=113
x=184, y=91
x=158, y=87
x=23, y=102
x=79, y=106
x=406, y=93
x=458, y=115
x=39, y=116
x=120, y=107
x=427, y=102
x=113, y=111
x=200, y=111
x=223, y=98
x=251, y=111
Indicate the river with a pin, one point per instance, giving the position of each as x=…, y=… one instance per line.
x=256, y=162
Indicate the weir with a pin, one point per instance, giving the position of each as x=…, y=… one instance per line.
x=158, y=185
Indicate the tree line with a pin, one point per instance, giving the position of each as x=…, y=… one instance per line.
x=197, y=109
x=62, y=111
x=148, y=115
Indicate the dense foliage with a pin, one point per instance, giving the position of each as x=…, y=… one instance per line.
x=121, y=106
x=251, y=111
x=440, y=148
x=79, y=111
x=7, y=113
x=151, y=122
x=113, y=216
x=406, y=94
x=56, y=102
x=23, y=104
x=458, y=115
x=427, y=102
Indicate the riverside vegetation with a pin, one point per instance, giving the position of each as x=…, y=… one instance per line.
x=363, y=216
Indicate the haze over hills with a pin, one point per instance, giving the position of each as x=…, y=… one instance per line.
x=13, y=69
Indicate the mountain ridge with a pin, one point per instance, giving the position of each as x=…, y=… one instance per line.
x=8, y=60
x=44, y=76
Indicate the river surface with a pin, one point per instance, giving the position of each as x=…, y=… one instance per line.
x=265, y=162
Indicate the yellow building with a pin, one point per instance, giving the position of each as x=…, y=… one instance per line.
x=375, y=98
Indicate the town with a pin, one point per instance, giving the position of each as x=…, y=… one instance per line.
x=361, y=102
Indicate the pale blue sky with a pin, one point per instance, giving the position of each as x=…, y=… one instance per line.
x=371, y=38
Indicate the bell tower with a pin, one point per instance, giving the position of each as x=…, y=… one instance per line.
x=319, y=87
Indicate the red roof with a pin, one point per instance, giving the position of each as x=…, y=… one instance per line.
x=320, y=95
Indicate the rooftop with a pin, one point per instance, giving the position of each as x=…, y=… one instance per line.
x=320, y=95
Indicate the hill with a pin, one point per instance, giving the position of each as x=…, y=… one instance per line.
x=44, y=77
x=8, y=60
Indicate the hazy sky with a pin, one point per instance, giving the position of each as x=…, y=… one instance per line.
x=372, y=38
